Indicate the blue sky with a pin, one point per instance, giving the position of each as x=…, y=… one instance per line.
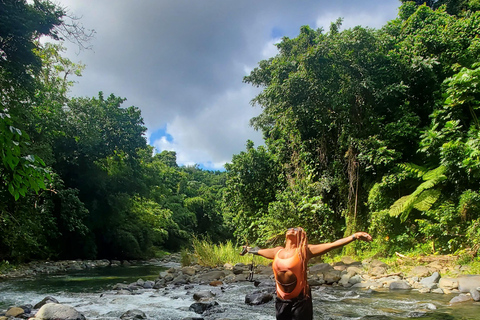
x=182, y=62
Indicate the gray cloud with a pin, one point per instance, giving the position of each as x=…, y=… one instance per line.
x=182, y=62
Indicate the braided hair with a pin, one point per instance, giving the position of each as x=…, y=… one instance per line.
x=302, y=244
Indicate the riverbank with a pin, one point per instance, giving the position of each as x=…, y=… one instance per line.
x=207, y=291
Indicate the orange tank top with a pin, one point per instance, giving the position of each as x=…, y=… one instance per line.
x=293, y=264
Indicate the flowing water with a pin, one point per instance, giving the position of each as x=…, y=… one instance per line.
x=90, y=292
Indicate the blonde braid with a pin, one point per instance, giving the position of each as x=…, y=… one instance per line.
x=302, y=242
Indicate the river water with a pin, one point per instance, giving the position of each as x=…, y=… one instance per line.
x=90, y=292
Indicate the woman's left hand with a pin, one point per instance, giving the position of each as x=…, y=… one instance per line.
x=363, y=236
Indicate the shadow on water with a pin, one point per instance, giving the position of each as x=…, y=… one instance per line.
x=88, y=280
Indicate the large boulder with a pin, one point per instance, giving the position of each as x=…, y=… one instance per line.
x=461, y=298
x=468, y=282
x=332, y=276
x=56, y=311
x=14, y=312
x=399, y=285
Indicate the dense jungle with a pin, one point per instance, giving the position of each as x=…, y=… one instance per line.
x=365, y=129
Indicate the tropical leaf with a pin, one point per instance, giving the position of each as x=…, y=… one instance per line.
x=426, y=199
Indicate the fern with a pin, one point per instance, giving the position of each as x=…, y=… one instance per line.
x=424, y=195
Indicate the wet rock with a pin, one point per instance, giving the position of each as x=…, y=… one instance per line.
x=55, y=311
x=14, y=312
x=148, y=284
x=475, y=294
x=257, y=298
x=461, y=298
x=134, y=314
x=468, y=282
x=239, y=268
x=399, y=285
x=203, y=295
x=216, y=283
x=48, y=299
x=417, y=314
x=200, y=307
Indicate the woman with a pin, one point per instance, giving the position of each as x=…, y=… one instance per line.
x=294, y=299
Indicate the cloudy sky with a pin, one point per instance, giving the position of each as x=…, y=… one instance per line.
x=182, y=62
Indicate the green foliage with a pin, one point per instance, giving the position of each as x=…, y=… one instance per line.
x=213, y=255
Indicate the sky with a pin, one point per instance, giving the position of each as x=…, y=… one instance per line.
x=182, y=62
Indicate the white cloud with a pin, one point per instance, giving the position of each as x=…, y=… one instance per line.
x=182, y=62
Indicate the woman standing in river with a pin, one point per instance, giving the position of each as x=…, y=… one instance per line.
x=294, y=298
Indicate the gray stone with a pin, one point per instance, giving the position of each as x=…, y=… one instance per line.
x=399, y=285
x=344, y=280
x=258, y=298
x=448, y=283
x=355, y=279
x=475, y=294
x=200, y=307
x=55, y=311
x=203, y=295
x=461, y=298
x=420, y=271
x=148, y=284
x=210, y=276
x=134, y=314
x=432, y=281
x=320, y=268
x=332, y=276
x=468, y=282
x=45, y=300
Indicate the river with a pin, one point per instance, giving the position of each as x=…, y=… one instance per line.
x=90, y=292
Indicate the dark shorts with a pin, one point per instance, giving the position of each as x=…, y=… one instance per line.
x=300, y=308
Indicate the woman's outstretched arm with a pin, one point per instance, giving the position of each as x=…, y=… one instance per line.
x=319, y=249
x=266, y=253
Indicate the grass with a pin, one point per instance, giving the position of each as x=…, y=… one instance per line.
x=206, y=253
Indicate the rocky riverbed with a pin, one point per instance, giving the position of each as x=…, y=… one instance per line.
x=207, y=285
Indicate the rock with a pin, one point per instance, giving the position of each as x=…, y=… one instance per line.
x=461, y=298
x=354, y=271
x=45, y=300
x=203, y=295
x=378, y=263
x=438, y=290
x=424, y=290
x=216, y=283
x=189, y=271
x=258, y=298
x=431, y=282
x=55, y=311
x=416, y=314
x=468, y=282
x=239, y=268
x=332, y=276
x=355, y=279
x=134, y=314
x=419, y=271
x=448, y=283
x=344, y=280
x=348, y=260
x=14, y=312
x=200, y=307
x=148, y=284
x=475, y=294
x=377, y=271
x=210, y=276
x=399, y=285
x=320, y=268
